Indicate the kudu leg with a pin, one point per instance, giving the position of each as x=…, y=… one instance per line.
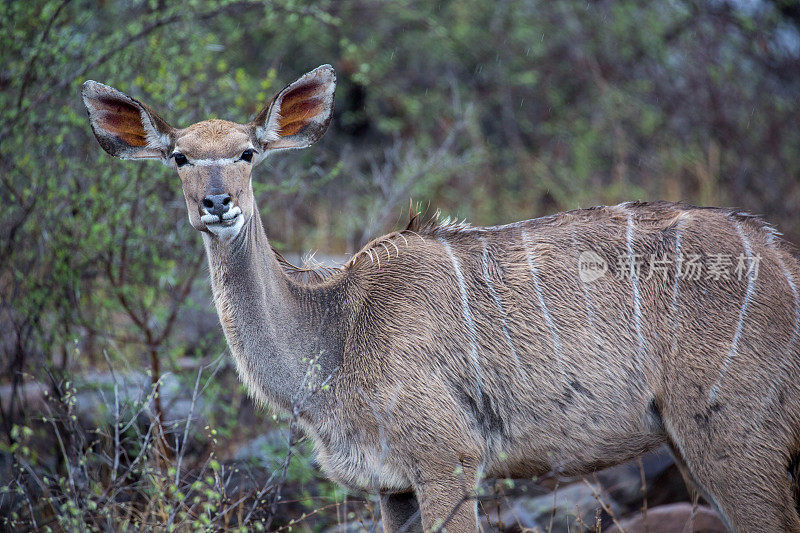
x=447, y=501
x=750, y=489
x=400, y=513
x=752, y=504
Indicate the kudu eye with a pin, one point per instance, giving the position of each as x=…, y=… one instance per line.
x=180, y=159
x=247, y=155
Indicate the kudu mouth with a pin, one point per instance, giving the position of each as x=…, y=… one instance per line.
x=228, y=218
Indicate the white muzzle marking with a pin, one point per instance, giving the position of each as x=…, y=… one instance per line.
x=230, y=225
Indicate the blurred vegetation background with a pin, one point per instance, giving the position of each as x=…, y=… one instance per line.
x=489, y=111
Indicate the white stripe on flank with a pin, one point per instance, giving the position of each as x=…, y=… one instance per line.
x=542, y=305
x=473, y=337
x=498, y=302
x=796, y=295
x=637, y=299
x=790, y=350
x=748, y=296
x=590, y=314
x=678, y=265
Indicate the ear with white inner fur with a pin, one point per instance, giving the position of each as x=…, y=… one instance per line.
x=125, y=127
x=299, y=115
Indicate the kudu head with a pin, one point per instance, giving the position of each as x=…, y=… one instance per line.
x=214, y=158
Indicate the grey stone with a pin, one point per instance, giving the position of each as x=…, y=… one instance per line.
x=672, y=518
x=266, y=450
x=567, y=508
x=624, y=482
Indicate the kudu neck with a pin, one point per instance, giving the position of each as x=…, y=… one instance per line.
x=247, y=263
x=284, y=336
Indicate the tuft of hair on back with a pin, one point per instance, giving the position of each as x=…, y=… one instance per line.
x=310, y=271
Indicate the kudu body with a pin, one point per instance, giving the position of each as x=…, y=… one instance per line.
x=451, y=352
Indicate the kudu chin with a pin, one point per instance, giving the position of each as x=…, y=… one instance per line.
x=449, y=352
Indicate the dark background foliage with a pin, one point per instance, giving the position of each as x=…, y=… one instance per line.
x=490, y=111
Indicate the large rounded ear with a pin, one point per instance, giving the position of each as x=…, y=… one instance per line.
x=299, y=114
x=125, y=127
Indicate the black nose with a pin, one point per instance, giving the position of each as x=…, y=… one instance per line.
x=217, y=204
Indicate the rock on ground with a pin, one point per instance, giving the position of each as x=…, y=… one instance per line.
x=566, y=508
x=672, y=518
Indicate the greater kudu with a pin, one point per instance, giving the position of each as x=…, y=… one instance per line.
x=452, y=352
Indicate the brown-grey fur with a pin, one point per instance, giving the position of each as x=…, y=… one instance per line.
x=453, y=352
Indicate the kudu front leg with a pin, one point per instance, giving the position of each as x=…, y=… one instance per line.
x=447, y=501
